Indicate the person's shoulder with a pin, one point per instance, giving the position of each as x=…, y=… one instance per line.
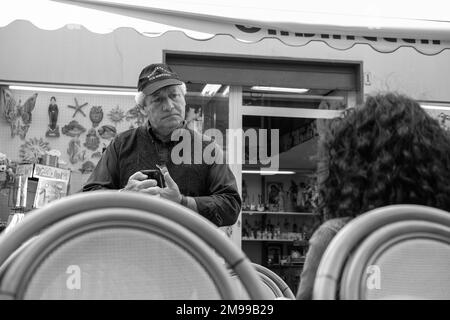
x=127, y=133
x=334, y=224
x=125, y=136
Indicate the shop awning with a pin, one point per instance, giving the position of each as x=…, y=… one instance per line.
x=384, y=25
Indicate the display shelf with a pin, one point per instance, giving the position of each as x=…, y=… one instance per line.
x=279, y=212
x=301, y=242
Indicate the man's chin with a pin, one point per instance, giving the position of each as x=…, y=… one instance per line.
x=169, y=125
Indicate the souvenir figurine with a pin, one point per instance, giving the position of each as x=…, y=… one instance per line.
x=96, y=115
x=73, y=129
x=87, y=167
x=74, y=151
x=53, y=128
x=136, y=114
x=92, y=140
x=96, y=155
x=107, y=132
x=116, y=115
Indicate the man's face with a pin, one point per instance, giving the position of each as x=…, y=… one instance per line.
x=165, y=109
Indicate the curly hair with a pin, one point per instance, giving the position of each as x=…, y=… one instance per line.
x=388, y=151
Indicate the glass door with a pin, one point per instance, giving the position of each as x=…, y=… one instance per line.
x=281, y=128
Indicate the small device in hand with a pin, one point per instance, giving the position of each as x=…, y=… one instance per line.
x=155, y=175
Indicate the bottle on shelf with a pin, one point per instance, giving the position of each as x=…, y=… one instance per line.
x=252, y=204
x=270, y=229
x=286, y=229
x=260, y=206
x=277, y=231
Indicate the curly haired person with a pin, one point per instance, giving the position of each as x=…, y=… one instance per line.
x=387, y=151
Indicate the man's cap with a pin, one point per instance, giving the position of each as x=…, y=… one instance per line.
x=155, y=77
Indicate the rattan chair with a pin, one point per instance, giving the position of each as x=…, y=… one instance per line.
x=280, y=283
x=110, y=245
x=394, y=252
x=274, y=286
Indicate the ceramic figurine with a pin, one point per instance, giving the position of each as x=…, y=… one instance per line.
x=136, y=114
x=92, y=140
x=107, y=131
x=116, y=115
x=53, y=128
x=96, y=155
x=87, y=167
x=74, y=151
x=73, y=129
x=96, y=115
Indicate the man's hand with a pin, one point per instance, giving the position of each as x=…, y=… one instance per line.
x=139, y=182
x=170, y=192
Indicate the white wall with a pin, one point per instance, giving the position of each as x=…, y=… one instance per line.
x=115, y=59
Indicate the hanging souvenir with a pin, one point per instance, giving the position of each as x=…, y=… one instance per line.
x=78, y=108
x=74, y=151
x=87, y=167
x=9, y=109
x=33, y=149
x=135, y=114
x=18, y=115
x=27, y=108
x=107, y=131
x=92, y=140
x=96, y=115
x=96, y=155
x=73, y=129
x=116, y=115
x=53, y=128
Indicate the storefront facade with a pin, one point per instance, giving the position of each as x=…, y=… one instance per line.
x=337, y=76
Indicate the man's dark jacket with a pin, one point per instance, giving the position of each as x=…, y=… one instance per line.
x=213, y=186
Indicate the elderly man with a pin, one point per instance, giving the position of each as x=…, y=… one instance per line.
x=209, y=189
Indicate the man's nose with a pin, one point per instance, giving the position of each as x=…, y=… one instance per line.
x=168, y=105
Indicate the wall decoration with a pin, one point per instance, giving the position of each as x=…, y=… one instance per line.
x=107, y=131
x=19, y=116
x=74, y=151
x=53, y=128
x=135, y=114
x=78, y=108
x=28, y=108
x=87, y=167
x=96, y=155
x=73, y=129
x=116, y=115
x=9, y=109
x=96, y=115
x=33, y=149
x=92, y=140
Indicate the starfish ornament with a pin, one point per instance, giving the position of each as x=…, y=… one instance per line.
x=77, y=108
